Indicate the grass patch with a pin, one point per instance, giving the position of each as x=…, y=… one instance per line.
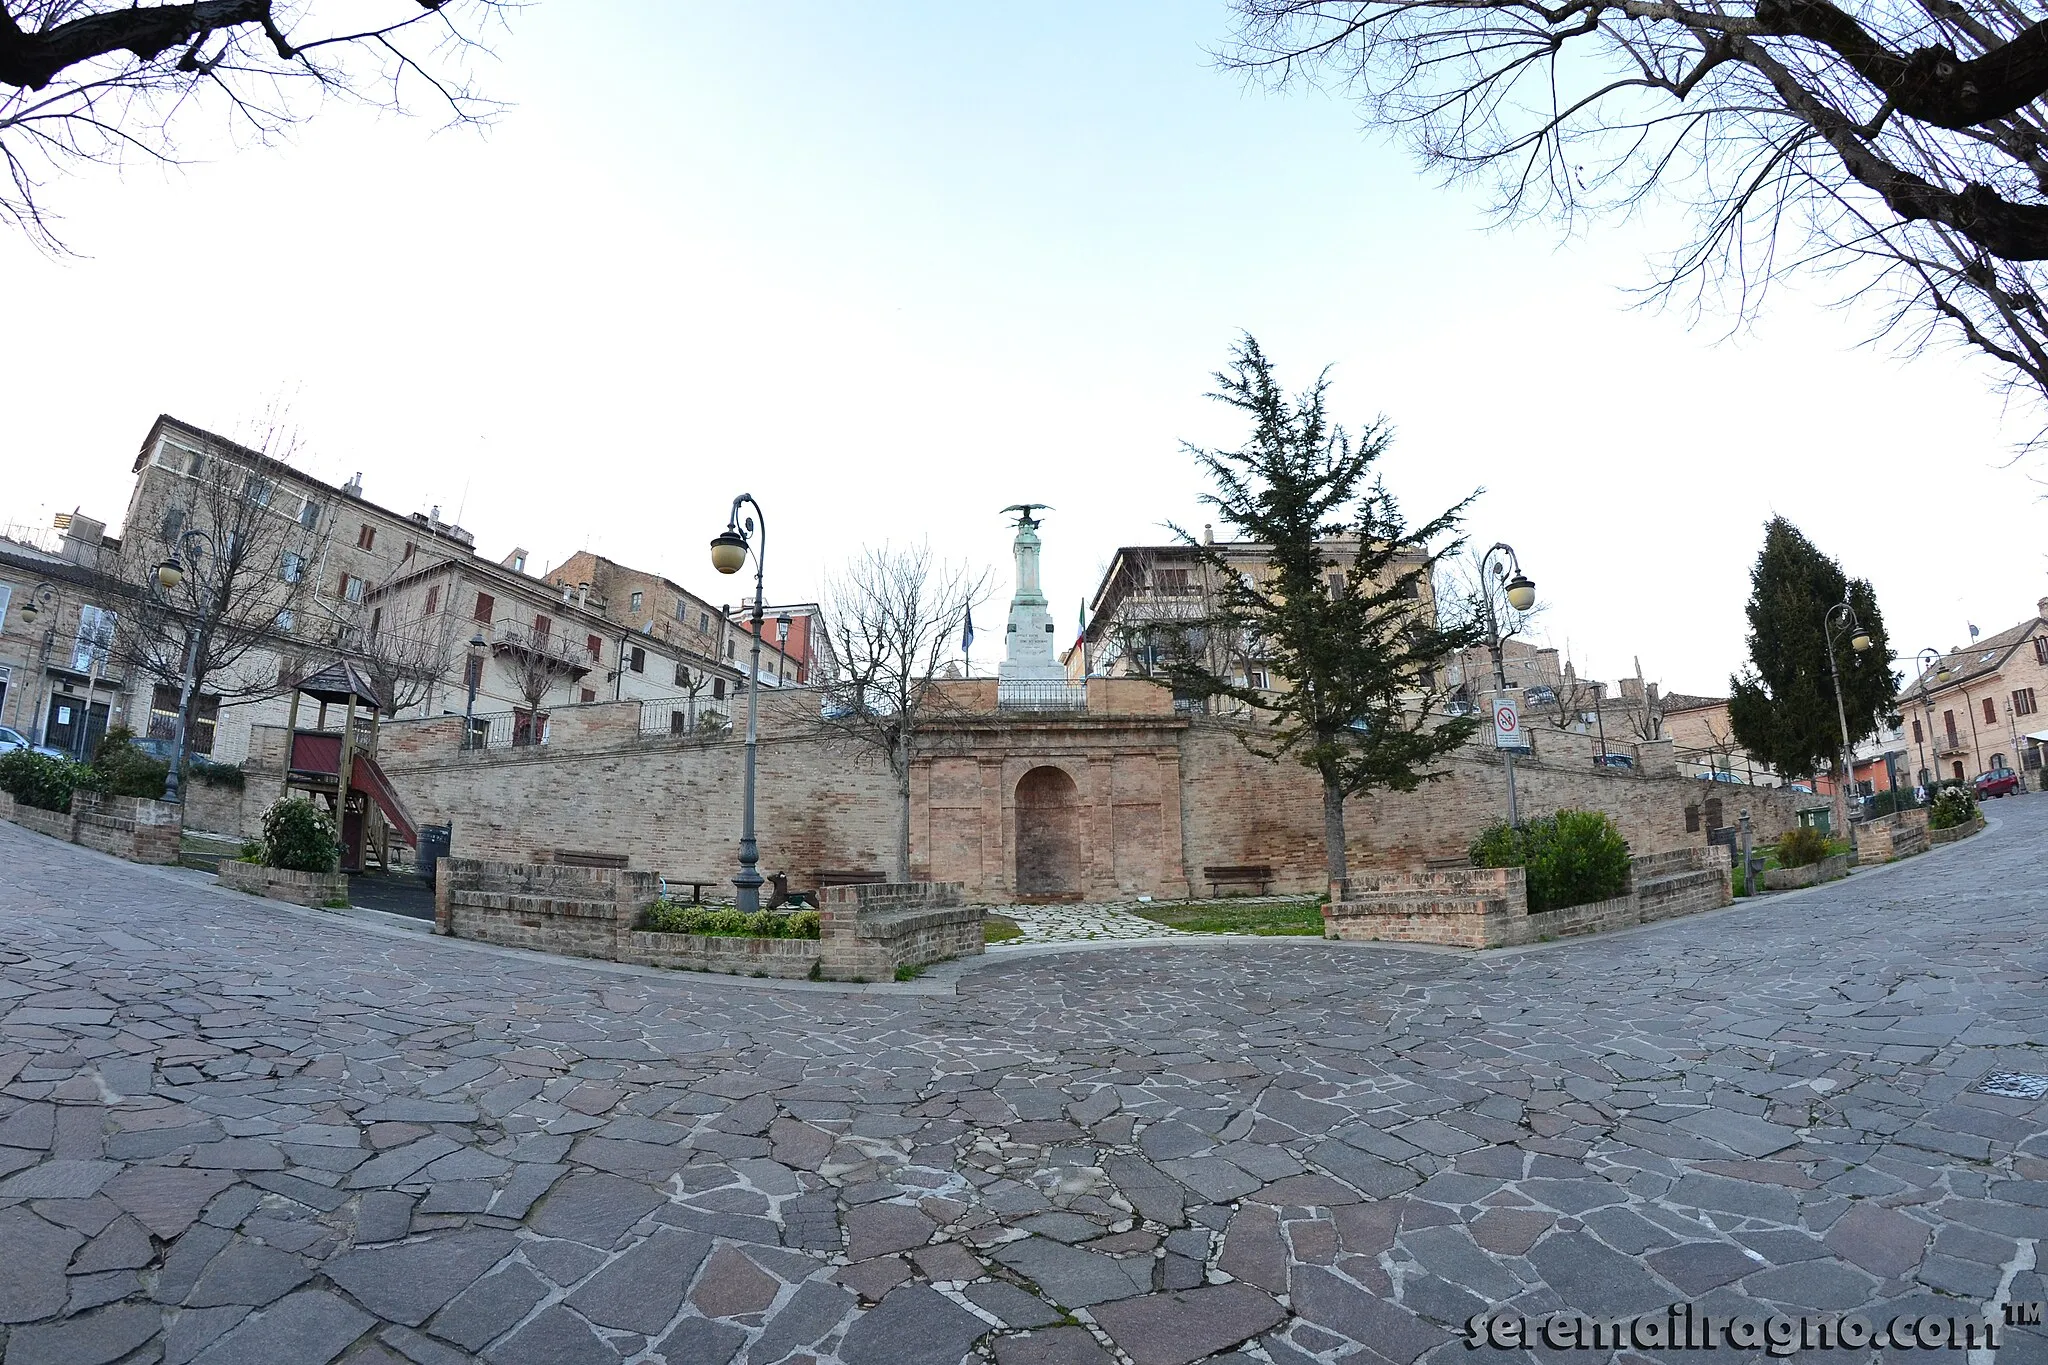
x=335, y=904
x=1303, y=917
x=910, y=973
x=996, y=929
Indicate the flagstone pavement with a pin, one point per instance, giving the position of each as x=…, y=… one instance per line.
x=234, y=1133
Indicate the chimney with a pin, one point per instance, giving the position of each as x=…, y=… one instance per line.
x=82, y=540
x=2041, y=607
x=582, y=594
x=354, y=487
x=516, y=561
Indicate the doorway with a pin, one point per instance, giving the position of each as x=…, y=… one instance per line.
x=74, y=727
x=1048, y=836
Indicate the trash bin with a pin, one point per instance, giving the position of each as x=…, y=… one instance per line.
x=434, y=842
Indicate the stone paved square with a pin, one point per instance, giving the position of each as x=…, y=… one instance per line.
x=232, y=1131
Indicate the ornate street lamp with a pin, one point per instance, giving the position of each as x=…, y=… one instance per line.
x=1520, y=592
x=475, y=670
x=729, y=549
x=40, y=596
x=1929, y=660
x=1859, y=640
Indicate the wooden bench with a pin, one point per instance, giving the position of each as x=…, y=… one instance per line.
x=696, y=886
x=569, y=857
x=1260, y=873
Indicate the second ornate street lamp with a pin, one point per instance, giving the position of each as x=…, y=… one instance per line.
x=169, y=575
x=1942, y=673
x=729, y=550
x=1859, y=640
x=475, y=670
x=1520, y=593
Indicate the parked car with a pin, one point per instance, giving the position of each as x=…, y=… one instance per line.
x=1718, y=776
x=1997, y=782
x=158, y=749
x=1613, y=761
x=12, y=739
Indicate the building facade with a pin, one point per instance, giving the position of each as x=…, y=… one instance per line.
x=62, y=682
x=1987, y=714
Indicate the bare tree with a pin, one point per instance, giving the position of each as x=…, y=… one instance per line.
x=536, y=662
x=1899, y=146
x=246, y=573
x=407, y=657
x=1639, y=707
x=890, y=621
x=99, y=81
x=1570, y=698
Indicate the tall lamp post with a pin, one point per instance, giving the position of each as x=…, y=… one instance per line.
x=1521, y=595
x=475, y=670
x=1859, y=640
x=40, y=598
x=169, y=575
x=1942, y=673
x=729, y=550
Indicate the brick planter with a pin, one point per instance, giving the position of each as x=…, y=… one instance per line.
x=734, y=954
x=282, y=884
x=1826, y=870
x=56, y=824
x=1488, y=907
x=868, y=933
x=131, y=827
x=1891, y=837
x=553, y=907
x=1955, y=832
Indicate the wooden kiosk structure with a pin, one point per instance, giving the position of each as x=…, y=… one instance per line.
x=327, y=762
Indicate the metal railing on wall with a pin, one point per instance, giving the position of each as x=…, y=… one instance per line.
x=680, y=716
x=1032, y=695
x=507, y=730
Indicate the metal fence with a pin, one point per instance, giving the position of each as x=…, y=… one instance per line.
x=506, y=730
x=1025, y=695
x=679, y=716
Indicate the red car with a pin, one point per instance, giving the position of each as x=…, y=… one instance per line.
x=1998, y=782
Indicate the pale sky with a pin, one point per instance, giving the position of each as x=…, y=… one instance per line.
x=890, y=267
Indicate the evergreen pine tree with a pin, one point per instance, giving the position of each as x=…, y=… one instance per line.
x=1783, y=705
x=1339, y=612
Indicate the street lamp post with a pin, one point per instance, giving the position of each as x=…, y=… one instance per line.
x=1521, y=595
x=781, y=645
x=40, y=598
x=1929, y=659
x=729, y=549
x=475, y=670
x=1859, y=640
x=170, y=574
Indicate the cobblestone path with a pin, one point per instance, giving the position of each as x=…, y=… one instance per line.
x=230, y=1133
x=1081, y=924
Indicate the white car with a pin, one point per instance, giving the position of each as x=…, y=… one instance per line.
x=11, y=739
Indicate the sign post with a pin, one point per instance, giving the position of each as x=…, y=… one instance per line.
x=1508, y=737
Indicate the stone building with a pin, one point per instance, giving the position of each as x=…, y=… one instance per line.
x=62, y=684
x=1988, y=713
x=703, y=638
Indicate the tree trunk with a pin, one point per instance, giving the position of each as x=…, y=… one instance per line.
x=901, y=871
x=1333, y=830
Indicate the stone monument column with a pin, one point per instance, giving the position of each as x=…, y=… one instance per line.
x=1028, y=654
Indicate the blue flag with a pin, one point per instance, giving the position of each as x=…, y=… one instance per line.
x=967, y=631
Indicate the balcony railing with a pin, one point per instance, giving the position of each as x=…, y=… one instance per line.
x=1951, y=744
x=1031, y=695
x=679, y=716
x=574, y=658
x=507, y=730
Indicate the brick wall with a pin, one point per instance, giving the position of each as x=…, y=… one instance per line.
x=867, y=932
x=131, y=827
x=56, y=824
x=1888, y=837
x=1488, y=907
x=552, y=907
x=731, y=954
x=314, y=889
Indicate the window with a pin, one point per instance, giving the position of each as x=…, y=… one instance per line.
x=589, y=695
x=1336, y=584
x=1692, y=819
x=1256, y=679
x=2041, y=649
x=639, y=663
x=352, y=587
x=728, y=649
x=95, y=640
x=1412, y=588
x=718, y=689
x=682, y=676
x=433, y=599
x=174, y=521
x=543, y=627
x=1990, y=712
x=703, y=620
x=1948, y=719
x=376, y=620
x=309, y=514
x=2023, y=702
x=258, y=489
x=677, y=722
x=485, y=605
x=292, y=567
x=595, y=646
x=366, y=539
x=163, y=718
x=636, y=603
x=682, y=612
x=285, y=621
x=1170, y=582
x=1917, y=737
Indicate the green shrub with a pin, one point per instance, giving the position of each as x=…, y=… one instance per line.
x=1801, y=847
x=229, y=775
x=668, y=917
x=1574, y=857
x=125, y=770
x=299, y=836
x=252, y=852
x=1952, y=806
x=1888, y=802
x=46, y=783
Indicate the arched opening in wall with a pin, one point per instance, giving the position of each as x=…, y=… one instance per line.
x=1048, y=836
